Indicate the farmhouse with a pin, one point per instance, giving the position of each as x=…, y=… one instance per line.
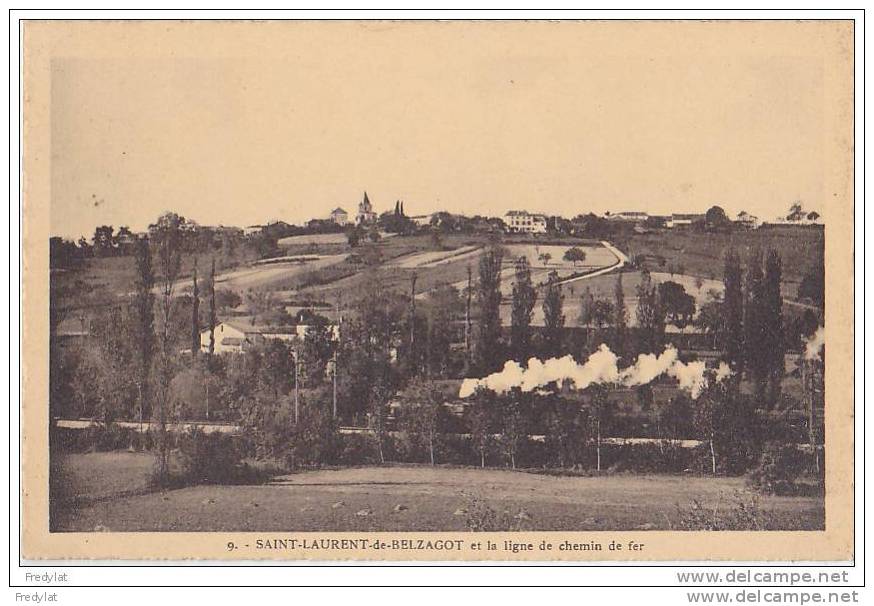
x=240, y=334
x=746, y=220
x=422, y=220
x=683, y=220
x=228, y=339
x=522, y=221
x=339, y=216
x=630, y=216
x=253, y=229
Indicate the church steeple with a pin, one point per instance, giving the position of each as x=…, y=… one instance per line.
x=365, y=211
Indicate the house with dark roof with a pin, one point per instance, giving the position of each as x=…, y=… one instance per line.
x=240, y=333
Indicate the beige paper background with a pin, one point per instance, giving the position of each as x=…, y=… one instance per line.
x=830, y=43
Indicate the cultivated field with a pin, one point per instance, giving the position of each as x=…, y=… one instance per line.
x=269, y=275
x=702, y=254
x=596, y=256
x=413, y=498
x=317, y=239
x=436, y=258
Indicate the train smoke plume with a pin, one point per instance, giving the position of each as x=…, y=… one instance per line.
x=815, y=344
x=600, y=368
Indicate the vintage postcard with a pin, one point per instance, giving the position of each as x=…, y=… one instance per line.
x=438, y=290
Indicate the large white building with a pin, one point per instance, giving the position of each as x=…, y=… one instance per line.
x=631, y=216
x=524, y=222
x=339, y=216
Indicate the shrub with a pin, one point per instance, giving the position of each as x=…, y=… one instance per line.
x=211, y=458
x=741, y=513
x=357, y=449
x=457, y=450
x=97, y=438
x=61, y=490
x=778, y=468
x=479, y=516
x=314, y=440
x=663, y=457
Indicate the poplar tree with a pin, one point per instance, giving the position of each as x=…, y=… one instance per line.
x=620, y=319
x=168, y=236
x=212, y=314
x=489, y=301
x=772, y=303
x=755, y=337
x=524, y=298
x=195, y=313
x=553, y=317
x=145, y=322
x=732, y=337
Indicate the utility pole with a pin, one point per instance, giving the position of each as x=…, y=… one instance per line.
x=336, y=336
x=195, y=320
x=334, y=376
x=296, y=382
x=411, y=353
x=212, y=316
x=467, y=328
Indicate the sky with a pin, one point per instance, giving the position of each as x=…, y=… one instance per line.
x=241, y=123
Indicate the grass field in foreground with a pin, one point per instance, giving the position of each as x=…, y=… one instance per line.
x=423, y=498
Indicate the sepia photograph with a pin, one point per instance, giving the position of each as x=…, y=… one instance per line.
x=314, y=277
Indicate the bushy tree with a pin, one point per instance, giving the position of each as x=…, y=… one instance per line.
x=566, y=432
x=727, y=421
x=276, y=376
x=716, y=219
x=443, y=306
x=575, y=255
x=514, y=426
x=587, y=321
x=600, y=417
x=371, y=337
x=318, y=349
x=483, y=419
x=676, y=418
x=679, y=306
x=377, y=415
x=812, y=285
x=650, y=316
x=314, y=440
x=423, y=416
x=711, y=319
